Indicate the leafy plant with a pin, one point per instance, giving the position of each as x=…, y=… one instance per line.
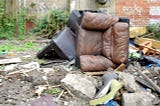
x=32, y=4
x=155, y=29
x=53, y=91
x=51, y=23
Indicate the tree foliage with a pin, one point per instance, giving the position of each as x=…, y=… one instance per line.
x=51, y=23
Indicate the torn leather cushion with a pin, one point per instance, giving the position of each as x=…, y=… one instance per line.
x=98, y=21
x=107, y=43
x=120, y=43
x=95, y=63
x=89, y=42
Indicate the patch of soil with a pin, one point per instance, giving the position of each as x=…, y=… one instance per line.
x=21, y=87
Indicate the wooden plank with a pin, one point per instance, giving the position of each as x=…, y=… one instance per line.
x=120, y=67
x=150, y=50
x=144, y=83
x=9, y=61
x=155, y=43
x=95, y=73
x=137, y=31
x=146, y=44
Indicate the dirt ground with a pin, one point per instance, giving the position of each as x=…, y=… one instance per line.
x=20, y=85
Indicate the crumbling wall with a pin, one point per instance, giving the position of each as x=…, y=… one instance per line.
x=140, y=12
x=108, y=7
x=40, y=7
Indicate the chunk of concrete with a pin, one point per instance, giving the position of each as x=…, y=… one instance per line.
x=30, y=65
x=129, y=82
x=46, y=100
x=138, y=99
x=10, y=61
x=11, y=67
x=80, y=85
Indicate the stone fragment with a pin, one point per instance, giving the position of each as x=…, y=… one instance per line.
x=46, y=100
x=80, y=85
x=129, y=82
x=10, y=61
x=11, y=67
x=138, y=99
x=30, y=65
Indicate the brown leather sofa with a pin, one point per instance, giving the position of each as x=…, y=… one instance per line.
x=102, y=42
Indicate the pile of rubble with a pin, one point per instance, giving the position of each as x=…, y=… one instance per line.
x=65, y=85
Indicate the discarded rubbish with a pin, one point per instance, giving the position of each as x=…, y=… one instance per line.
x=84, y=37
x=138, y=69
x=3, y=52
x=140, y=40
x=75, y=18
x=144, y=83
x=146, y=45
x=63, y=44
x=111, y=103
x=153, y=59
x=137, y=31
x=106, y=79
x=114, y=88
x=134, y=55
x=121, y=67
x=87, y=39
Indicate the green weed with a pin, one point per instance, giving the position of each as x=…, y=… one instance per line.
x=21, y=47
x=53, y=91
x=155, y=29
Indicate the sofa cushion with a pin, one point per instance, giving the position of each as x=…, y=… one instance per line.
x=107, y=43
x=95, y=63
x=98, y=21
x=120, y=43
x=89, y=42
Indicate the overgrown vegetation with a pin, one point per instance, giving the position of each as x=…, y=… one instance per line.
x=51, y=23
x=155, y=29
x=11, y=24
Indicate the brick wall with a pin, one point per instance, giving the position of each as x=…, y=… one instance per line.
x=141, y=12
